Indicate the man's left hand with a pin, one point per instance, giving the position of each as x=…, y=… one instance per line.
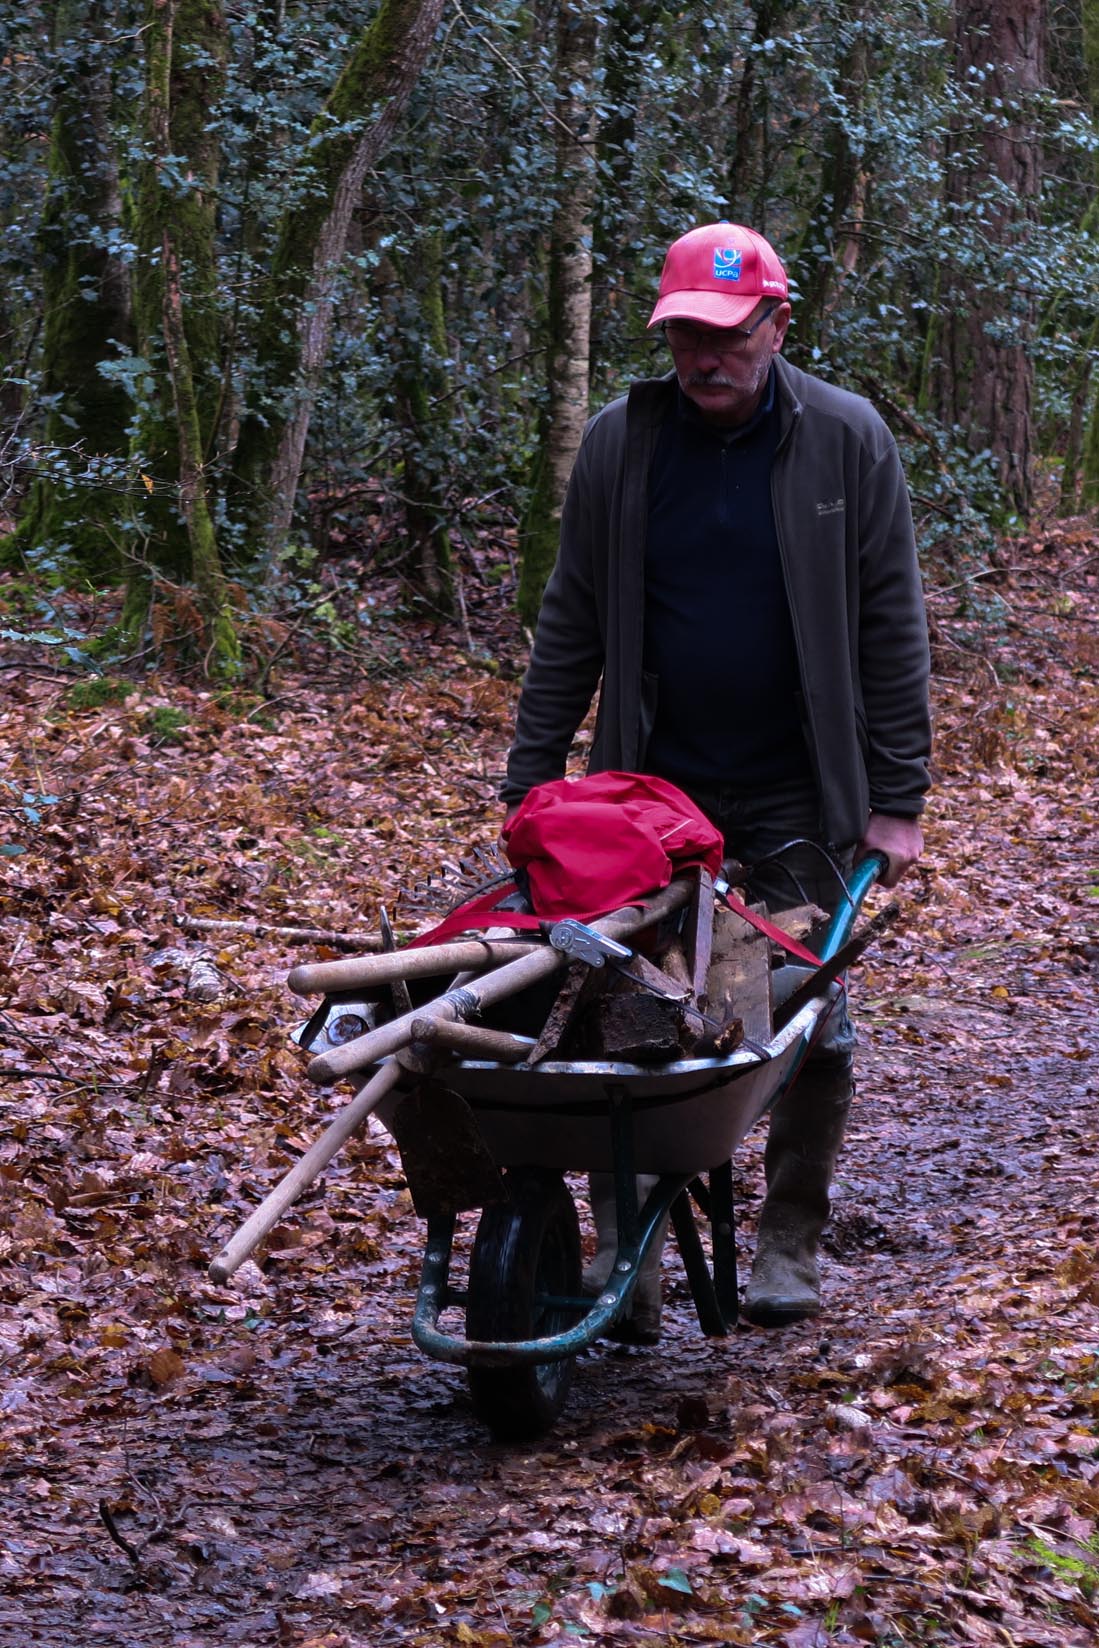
x=900, y=839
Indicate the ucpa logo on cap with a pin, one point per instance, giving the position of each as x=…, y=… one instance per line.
x=727, y=263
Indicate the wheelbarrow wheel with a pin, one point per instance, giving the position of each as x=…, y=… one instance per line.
x=525, y=1264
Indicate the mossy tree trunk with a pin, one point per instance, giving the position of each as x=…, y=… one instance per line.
x=419, y=384
x=86, y=303
x=570, y=268
x=184, y=334
x=185, y=44
x=829, y=248
x=297, y=308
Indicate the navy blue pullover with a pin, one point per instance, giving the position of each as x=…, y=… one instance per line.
x=718, y=635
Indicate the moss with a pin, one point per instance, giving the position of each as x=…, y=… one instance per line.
x=164, y=724
x=100, y=690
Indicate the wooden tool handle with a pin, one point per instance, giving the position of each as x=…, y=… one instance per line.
x=361, y=972
x=473, y=1040
x=302, y=1174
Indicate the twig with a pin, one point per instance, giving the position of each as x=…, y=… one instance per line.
x=352, y=942
x=119, y=1538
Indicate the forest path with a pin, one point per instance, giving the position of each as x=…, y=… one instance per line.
x=920, y=1465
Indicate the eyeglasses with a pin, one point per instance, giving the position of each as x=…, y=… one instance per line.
x=689, y=339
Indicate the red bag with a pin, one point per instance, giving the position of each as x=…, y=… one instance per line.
x=591, y=844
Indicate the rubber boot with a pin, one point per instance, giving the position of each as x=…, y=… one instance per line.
x=807, y=1127
x=642, y=1325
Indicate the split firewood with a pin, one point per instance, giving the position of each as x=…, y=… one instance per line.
x=739, y=984
x=636, y=1026
x=583, y=984
x=674, y=962
x=699, y=938
x=799, y=922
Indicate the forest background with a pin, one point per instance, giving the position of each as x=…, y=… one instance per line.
x=279, y=282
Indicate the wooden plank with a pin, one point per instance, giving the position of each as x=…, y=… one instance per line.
x=739, y=984
x=582, y=984
x=699, y=935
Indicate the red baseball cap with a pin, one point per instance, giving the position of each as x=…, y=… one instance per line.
x=717, y=274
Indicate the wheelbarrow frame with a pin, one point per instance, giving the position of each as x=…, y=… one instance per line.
x=713, y=1289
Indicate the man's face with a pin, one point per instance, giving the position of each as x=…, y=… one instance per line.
x=723, y=369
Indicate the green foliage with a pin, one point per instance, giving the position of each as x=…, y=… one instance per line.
x=164, y=725
x=100, y=690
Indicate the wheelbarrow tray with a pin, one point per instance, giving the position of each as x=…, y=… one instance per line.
x=687, y=1114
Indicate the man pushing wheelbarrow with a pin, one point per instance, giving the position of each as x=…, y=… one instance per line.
x=737, y=574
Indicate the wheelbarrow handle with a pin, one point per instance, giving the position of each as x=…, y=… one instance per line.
x=859, y=883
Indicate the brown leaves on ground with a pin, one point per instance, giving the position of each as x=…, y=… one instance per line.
x=273, y=1463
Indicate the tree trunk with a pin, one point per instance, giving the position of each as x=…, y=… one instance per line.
x=185, y=44
x=619, y=205
x=297, y=308
x=986, y=370
x=829, y=249
x=418, y=380
x=89, y=413
x=747, y=172
x=1089, y=474
x=570, y=269
x=183, y=326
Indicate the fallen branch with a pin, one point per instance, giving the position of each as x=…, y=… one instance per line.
x=291, y=935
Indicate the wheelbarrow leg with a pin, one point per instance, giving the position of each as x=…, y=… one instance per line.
x=711, y=1317
x=723, y=1231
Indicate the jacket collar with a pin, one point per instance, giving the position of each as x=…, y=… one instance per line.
x=651, y=399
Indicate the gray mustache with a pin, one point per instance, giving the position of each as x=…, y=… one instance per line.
x=710, y=380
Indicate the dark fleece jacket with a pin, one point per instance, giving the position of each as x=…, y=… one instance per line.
x=849, y=563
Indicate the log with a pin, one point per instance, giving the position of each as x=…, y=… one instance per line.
x=506, y=981
x=801, y=921
x=361, y=972
x=638, y=1027
x=302, y=1174
x=700, y=938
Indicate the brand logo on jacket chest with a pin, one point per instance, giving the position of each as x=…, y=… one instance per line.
x=831, y=506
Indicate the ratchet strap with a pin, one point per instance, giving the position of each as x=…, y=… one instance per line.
x=485, y=911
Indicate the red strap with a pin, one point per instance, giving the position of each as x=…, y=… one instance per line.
x=485, y=912
x=478, y=912
x=775, y=934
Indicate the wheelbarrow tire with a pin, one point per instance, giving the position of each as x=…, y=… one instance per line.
x=526, y=1248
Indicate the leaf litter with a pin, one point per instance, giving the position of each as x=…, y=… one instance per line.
x=273, y=1463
